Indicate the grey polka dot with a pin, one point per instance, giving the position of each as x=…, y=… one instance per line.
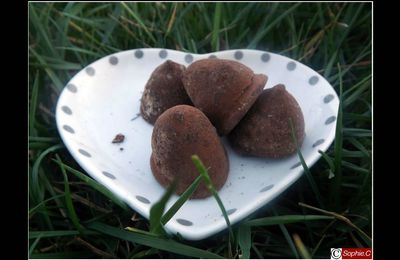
x=84, y=153
x=265, y=57
x=139, y=54
x=238, y=55
x=318, y=142
x=230, y=211
x=163, y=54
x=66, y=110
x=72, y=88
x=212, y=56
x=142, y=199
x=184, y=222
x=295, y=165
x=291, y=65
x=267, y=188
x=328, y=98
x=69, y=129
x=313, y=80
x=113, y=60
x=330, y=119
x=90, y=71
x=189, y=58
x=109, y=175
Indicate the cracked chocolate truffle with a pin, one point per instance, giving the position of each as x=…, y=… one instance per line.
x=224, y=90
x=179, y=133
x=265, y=131
x=163, y=90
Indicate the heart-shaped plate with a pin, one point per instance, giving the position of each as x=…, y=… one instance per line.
x=103, y=100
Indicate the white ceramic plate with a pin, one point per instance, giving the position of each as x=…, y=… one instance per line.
x=103, y=100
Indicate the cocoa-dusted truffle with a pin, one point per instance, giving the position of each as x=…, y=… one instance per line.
x=265, y=131
x=163, y=90
x=179, y=133
x=223, y=89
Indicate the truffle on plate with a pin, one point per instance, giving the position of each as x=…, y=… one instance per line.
x=179, y=133
x=265, y=131
x=224, y=90
x=163, y=90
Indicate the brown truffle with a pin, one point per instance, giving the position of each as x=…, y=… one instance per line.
x=163, y=90
x=224, y=90
x=265, y=131
x=179, y=133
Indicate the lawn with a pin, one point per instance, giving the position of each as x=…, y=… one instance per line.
x=72, y=216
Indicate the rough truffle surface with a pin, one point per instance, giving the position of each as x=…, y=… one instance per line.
x=179, y=133
x=224, y=90
x=265, y=131
x=163, y=90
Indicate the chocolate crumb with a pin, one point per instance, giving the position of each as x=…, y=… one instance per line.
x=121, y=149
x=119, y=138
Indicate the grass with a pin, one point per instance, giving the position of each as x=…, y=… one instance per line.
x=72, y=216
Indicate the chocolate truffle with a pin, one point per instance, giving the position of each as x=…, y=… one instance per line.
x=265, y=131
x=163, y=90
x=224, y=90
x=179, y=133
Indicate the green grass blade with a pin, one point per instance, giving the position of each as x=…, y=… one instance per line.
x=41, y=204
x=155, y=242
x=271, y=25
x=285, y=219
x=157, y=211
x=337, y=180
x=309, y=176
x=68, y=200
x=244, y=240
x=58, y=233
x=204, y=173
x=95, y=185
x=301, y=247
x=34, y=244
x=182, y=199
x=53, y=76
x=33, y=105
x=35, y=185
x=216, y=25
x=139, y=20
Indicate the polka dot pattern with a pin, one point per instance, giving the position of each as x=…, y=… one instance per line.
x=109, y=175
x=90, y=71
x=291, y=66
x=238, y=55
x=84, y=153
x=142, y=199
x=184, y=222
x=66, y=110
x=265, y=57
x=69, y=129
x=188, y=58
x=266, y=188
x=139, y=54
x=330, y=120
x=113, y=60
x=163, y=54
x=72, y=88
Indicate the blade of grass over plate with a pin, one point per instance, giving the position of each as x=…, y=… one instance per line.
x=182, y=199
x=157, y=210
x=151, y=241
x=310, y=178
